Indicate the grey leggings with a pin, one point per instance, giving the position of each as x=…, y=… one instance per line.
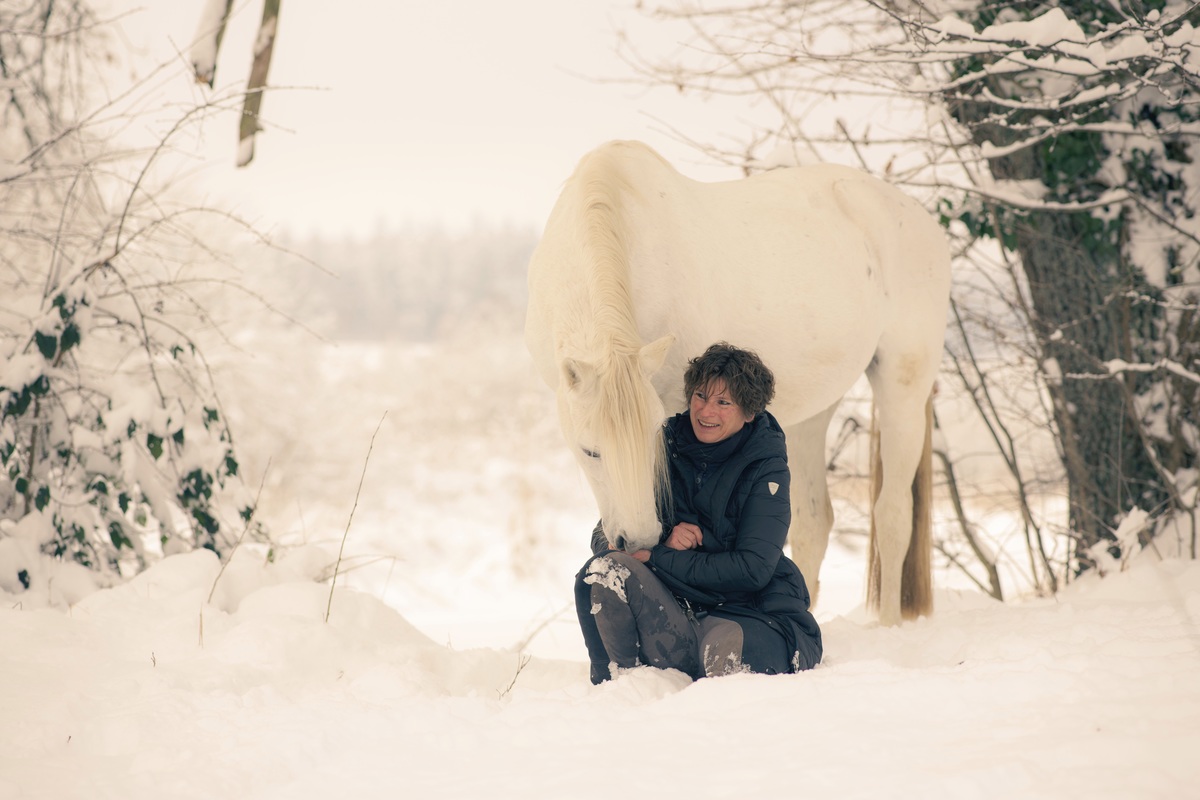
x=639, y=622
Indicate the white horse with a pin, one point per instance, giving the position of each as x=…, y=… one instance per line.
x=824, y=271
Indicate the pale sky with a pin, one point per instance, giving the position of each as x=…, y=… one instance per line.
x=430, y=113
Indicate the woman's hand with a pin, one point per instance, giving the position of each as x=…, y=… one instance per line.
x=685, y=536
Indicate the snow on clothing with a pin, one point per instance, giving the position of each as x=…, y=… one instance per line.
x=736, y=490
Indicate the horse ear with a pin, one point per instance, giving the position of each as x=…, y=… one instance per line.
x=576, y=372
x=652, y=356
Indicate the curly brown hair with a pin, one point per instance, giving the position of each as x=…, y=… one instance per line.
x=746, y=377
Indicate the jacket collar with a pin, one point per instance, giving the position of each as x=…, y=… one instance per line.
x=757, y=439
x=686, y=443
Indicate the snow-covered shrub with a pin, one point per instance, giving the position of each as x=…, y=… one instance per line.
x=110, y=424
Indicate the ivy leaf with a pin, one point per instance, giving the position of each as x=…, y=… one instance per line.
x=42, y=499
x=205, y=520
x=19, y=403
x=178, y=437
x=117, y=534
x=154, y=445
x=47, y=345
x=70, y=336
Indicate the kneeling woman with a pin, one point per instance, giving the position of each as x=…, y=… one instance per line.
x=716, y=595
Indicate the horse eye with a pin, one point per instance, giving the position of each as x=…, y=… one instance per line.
x=590, y=453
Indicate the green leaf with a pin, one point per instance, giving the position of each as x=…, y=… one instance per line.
x=178, y=437
x=42, y=499
x=123, y=502
x=231, y=464
x=22, y=485
x=19, y=403
x=117, y=534
x=70, y=336
x=47, y=345
x=205, y=520
x=154, y=444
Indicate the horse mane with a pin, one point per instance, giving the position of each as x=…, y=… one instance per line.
x=606, y=263
x=620, y=416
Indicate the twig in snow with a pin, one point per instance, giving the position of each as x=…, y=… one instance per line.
x=522, y=663
x=541, y=627
x=337, y=565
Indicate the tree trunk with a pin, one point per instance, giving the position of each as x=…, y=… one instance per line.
x=1083, y=319
x=1079, y=283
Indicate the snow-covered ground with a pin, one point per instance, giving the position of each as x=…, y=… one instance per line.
x=450, y=665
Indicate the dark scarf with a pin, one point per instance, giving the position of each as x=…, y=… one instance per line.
x=704, y=456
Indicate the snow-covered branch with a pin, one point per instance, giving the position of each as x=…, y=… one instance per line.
x=1117, y=366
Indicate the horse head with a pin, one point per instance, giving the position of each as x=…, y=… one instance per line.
x=612, y=417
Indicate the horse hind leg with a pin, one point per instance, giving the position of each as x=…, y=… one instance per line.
x=900, y=528
x=812, y=512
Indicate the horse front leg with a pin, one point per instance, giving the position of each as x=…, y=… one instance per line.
x=812, y=512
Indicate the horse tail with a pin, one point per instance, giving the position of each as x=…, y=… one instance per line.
x=916, y=582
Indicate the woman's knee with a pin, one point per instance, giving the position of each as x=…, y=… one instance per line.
x=610, y=571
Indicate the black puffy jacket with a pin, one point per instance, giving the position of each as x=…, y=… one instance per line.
x=737, y=491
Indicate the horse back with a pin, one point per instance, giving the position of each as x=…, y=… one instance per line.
x=809, y=266
x=801, y=265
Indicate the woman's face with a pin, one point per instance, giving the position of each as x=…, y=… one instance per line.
x=715, y=417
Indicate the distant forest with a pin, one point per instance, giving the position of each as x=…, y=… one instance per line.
x=409, y=285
